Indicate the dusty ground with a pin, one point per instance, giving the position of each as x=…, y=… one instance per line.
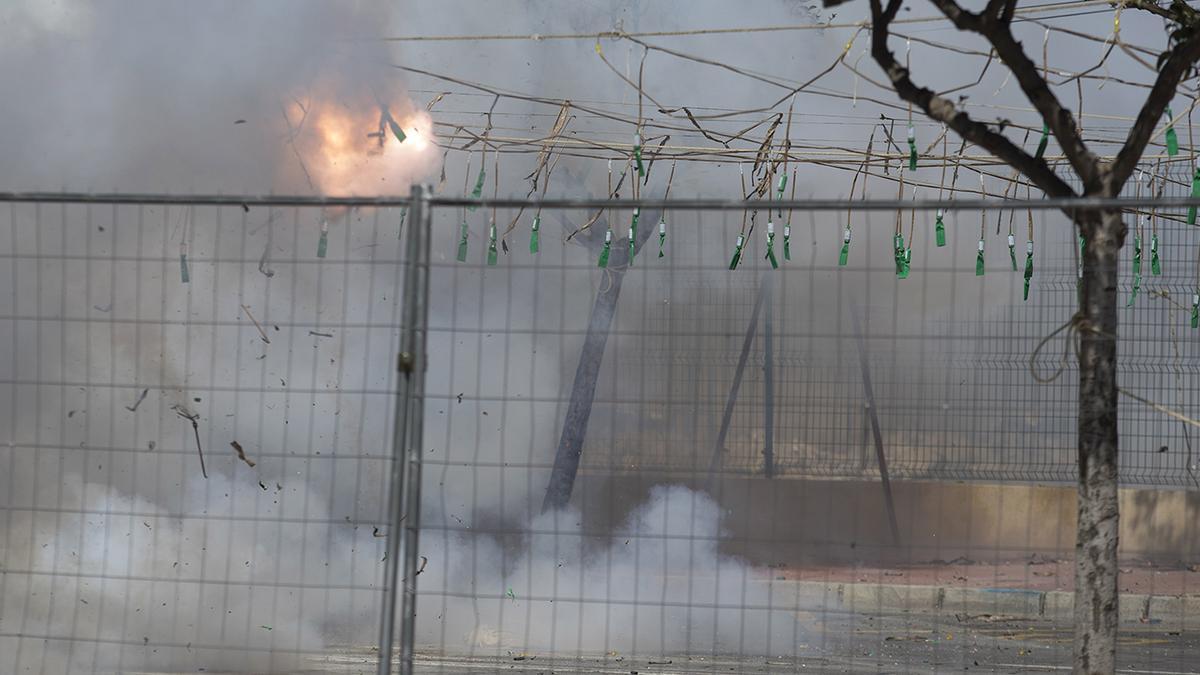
x=1036, y=574
x=861, y=644
x=892, y=642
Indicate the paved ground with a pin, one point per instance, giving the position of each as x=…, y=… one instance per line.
x=1036, y=573
x=861, y=645
x=956, y=616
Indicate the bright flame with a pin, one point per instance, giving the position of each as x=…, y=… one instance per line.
x=345, y=150
x=417, y=138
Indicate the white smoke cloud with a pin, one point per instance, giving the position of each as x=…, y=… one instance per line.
x=141, y=563
x=655, y=585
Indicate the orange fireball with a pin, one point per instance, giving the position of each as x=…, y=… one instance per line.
x=356, y=149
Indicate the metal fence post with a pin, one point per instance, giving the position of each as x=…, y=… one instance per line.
x=405, y=486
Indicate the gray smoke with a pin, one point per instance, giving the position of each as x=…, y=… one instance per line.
x=116, y=552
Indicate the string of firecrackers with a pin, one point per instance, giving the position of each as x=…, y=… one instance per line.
x=979, y=258
x=542, y=163
x=910, y=131
x=492, y=253
x=1045, y=133
x=864, y=169
x=903, y=251
x=1114, y=38
x=898, y=237
x=741, y=237
x=464, y=229
x=637, y=211
x=977, y=163
x=606, y=249
x=1011, y=187
x=781, y=167
x=662, y=217
x=695, y=152
x=1138, y=238
x=1027, y=275
x=1195, y=318
x=902, y=245
x=1155, y=263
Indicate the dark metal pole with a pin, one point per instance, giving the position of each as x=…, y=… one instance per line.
x=869, y=392
x=727, y=417
x=405, y=487
x=768, y=380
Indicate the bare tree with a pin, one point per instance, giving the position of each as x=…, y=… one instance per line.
x=1103, y=232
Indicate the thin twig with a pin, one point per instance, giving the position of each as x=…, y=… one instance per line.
x=142, y=397
x=261, y=332
x=237, y=447
x=193, y=418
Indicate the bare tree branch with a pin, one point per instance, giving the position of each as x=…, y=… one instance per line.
x=1179, y=61
x=998, y=32
x=1152, y=7
x=1060, y=120
x=944, y=110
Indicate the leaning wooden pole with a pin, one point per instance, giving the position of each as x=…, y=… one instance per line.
x=872, y=413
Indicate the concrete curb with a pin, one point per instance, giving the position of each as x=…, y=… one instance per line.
x=873, y=598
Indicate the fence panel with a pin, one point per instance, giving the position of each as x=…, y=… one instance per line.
x=194, y=470
x=687, y=542
x=727, y=512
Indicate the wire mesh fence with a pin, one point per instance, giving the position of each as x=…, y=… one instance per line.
x=193, y=472
x=727, y=512
x=949, y=351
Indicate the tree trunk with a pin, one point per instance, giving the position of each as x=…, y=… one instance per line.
x=583, y=391
x=1096, y=539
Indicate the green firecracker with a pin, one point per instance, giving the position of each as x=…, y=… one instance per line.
x=737, y=252
x=979, y=260
x=1012, y=251
x=903, y=257
x=491, y=257
x=1155, y=264
x=637, y=155
x=771, y=245
x=787, y=242
x=603, y=262
x=633, y=234
x=1137, y=269
x=939, y=230
x=1191, y=215
x=462, y=242
x=844, y=256
x=1196, y=309
x=912, y=148
x=477, y=193
x=533, y=234
x=1041, y=148
x=662, y=236
x=1172, y=138
x=1028, y=268
x=396, y=130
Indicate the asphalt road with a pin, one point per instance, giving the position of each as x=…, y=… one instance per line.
x=855, y=644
